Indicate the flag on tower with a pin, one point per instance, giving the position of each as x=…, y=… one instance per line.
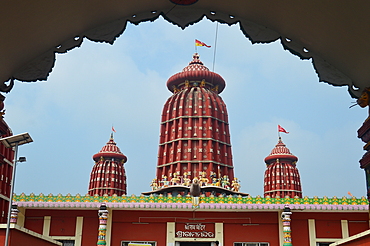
x=113, y=130
x=200, y=43
x=280, y=129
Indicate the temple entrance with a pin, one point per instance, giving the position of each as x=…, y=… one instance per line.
x=195, y=244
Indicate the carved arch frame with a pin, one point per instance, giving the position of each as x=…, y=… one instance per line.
x=40, y=67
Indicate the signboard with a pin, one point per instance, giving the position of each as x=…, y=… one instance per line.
x=139, y=244
x=195, y=230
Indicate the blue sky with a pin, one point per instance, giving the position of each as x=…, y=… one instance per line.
x=92, y=87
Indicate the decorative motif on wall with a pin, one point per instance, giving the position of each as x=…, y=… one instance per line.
x=103, y=217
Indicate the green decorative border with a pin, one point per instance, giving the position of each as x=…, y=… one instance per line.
x=187, y=199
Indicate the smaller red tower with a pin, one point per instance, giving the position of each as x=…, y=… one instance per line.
x=108, y=175
x=6, y=169
x=282, y=176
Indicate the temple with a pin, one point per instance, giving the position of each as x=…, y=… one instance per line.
x=195, y=198
x=108, y=175
x=194, y=135
x=339, y=58
x=282, y=176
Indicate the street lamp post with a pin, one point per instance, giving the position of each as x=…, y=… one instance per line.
x=10, y=142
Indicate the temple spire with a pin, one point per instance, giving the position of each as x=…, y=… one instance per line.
x=282, y=176
x=194, y=134
x=108, y=175
x=196, y=74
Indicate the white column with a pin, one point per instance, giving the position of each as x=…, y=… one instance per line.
x=312, y=232
x=170, y=237
x=78, y=232
x=345, y=231
x=109, y=227
x=46, y=226
x=219, y=229
x=20, y=221
x=281, y=231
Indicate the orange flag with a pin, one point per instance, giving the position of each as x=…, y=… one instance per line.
x=200, y=43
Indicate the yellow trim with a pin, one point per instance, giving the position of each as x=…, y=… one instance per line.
x=32, y=233
x=4, y=197
x=9, y=162
x=367, y=146
x=352, y=238
x=326, y=240
x=63, y=238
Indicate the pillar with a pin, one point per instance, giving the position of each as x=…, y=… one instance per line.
x=285, y=218
x=103, y=217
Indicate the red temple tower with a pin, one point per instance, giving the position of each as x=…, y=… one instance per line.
x=6, y=166
x=108, y=175
x=282, y=176
x=194, y=133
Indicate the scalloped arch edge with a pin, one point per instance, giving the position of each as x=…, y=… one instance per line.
x=39, y=68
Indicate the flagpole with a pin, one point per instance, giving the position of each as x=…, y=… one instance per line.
x=214, y=51
x=113, y=130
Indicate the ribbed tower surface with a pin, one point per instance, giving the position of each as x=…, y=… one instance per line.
x=282, y=176
x=108, y=175
x=194, y=133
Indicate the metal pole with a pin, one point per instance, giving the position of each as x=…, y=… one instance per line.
x=11, y=195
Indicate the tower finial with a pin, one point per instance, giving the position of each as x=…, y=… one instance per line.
x=113, y=130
